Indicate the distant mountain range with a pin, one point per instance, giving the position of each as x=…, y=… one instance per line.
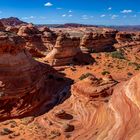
x=75, y=25
x=12, y=21
x=129, y=28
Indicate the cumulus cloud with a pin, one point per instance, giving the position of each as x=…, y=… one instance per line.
x=102, y=16
x=110, y=8
x=126, y=11
x=64, y=15
x=114, y=16
x=70, y=11
x=59, y=8
x=69, y=15
x=48, y=4
x=26, y=18
x=85, y=17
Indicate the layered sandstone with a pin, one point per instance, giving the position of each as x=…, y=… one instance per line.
x=64, y=51
x=98, y=41
x=23, y=81
x=125, y=39
x=97, y=109
x=48, y=37
x=33, y=40
x=2, y=27
x=13, y=29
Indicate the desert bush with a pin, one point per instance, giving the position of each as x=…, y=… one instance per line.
x=5, y=131
x=129, y=74
x=83, y=76
x=117, y=54
x=136, y=65
x=105, y=72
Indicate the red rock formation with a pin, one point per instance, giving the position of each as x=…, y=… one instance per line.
x=97, y=109
x=23, y=84
x=33, y=40
x=125, y=37
x=48, y=37
x=66, y=48
x=2, y=27
x=12, y=21
x=13, y=29
x=98, y=42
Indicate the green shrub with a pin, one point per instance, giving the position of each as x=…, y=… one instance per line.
x=129, y=74
x=105, y=72
x=136, y=65
x=117, y=54
x=83, y=76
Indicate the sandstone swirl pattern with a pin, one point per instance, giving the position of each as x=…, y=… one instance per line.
x=111, y=114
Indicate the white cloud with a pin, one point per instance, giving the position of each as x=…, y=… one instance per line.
x=64, y=15
x=126, y=11
x=85, y=17
x=69, y=15
x=110, y=8
x=26, y=18
x=70, y=11
x=31, y=17
x=59, y=8
x=102, y=16
x=48, y=4
x=43, y=17
x=114, y=16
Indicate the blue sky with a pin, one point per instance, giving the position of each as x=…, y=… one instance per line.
x=99, y=12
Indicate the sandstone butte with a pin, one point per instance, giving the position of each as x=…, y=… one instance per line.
x=64, y=51
x=39, y=102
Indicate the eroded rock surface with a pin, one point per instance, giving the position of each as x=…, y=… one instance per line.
x=111, y=113
x=23, y=81
x=2, y=27
x=64, y=51
x=98, y=42
x=33, y=40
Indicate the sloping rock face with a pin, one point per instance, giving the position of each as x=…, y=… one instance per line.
x=23, y=81
x=98, y=42
x=64, y=51
x=97, y=109
x=48, y=37
x=12, y=29
x=92, y=87
x=33, y=40
x=125, y=39
x=129, y=42
x=2, y=27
